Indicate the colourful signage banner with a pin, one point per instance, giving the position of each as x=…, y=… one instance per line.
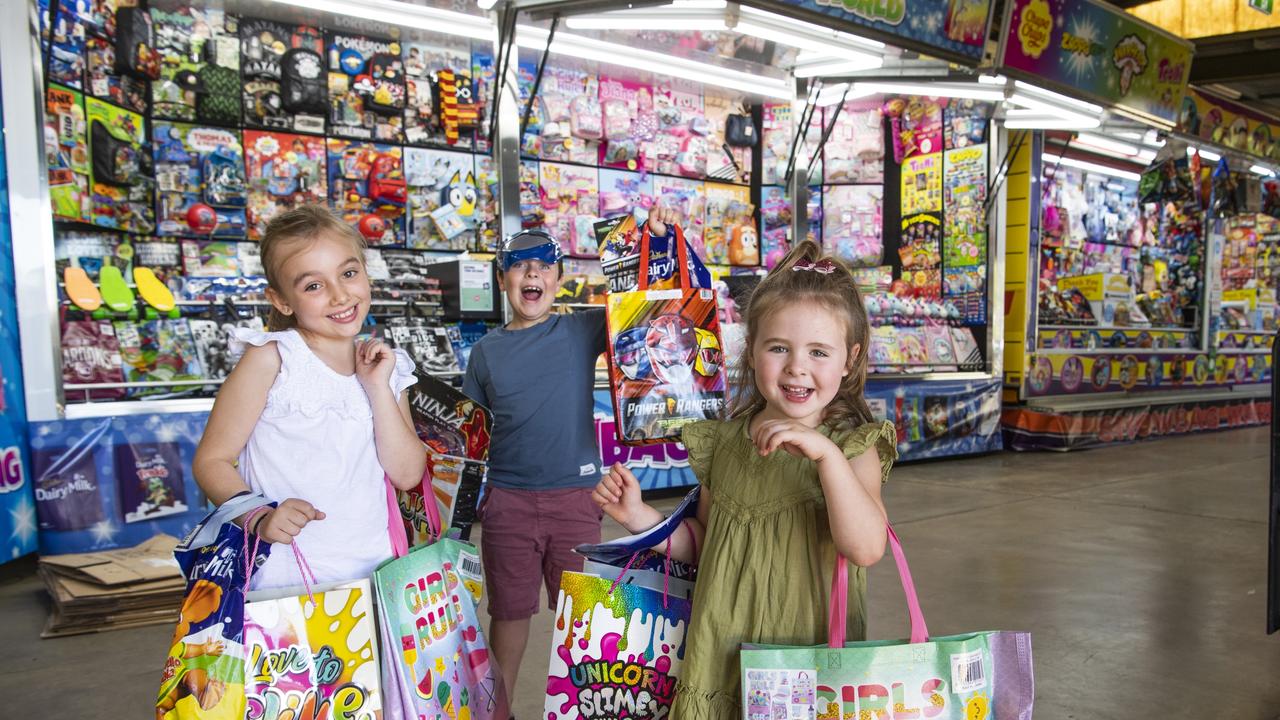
x=1099, y=51
x=954, y=28
x=1225, y=123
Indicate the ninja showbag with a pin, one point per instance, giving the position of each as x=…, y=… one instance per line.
x=666, y=366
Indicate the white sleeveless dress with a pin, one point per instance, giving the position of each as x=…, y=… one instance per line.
x=314, y=441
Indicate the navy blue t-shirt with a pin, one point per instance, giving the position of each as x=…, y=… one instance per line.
x=538, y=383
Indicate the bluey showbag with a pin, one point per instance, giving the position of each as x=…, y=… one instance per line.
x=978, y=676
x=204, y=674
x=666, y=366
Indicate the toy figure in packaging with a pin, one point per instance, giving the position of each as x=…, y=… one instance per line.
x=100, y=65
x=622, y=103
x=855, y=151
x=448, y=422
x=367, y=187
x=194, y=166
x=852, y=225
x=157, y=351
x=486, y=219
x=966, y=123
x=120, y=169
x=284, y=79
x=151, y=481
x=195, y=47
x=66, y=145
x=689, y=199
x=366, y=88
x=571, y=204
x=439, y=180
x=729, y=234
x=625, y=192
x=422, y=62
x=284, y=171
x=67, y=45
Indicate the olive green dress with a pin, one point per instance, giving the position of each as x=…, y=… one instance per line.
x=766, y=564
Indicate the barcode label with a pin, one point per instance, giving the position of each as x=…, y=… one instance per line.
x=967, y=673
x=469, y=566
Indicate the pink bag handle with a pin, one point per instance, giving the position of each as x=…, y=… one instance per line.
x=304, y=569
x=840, y=596
x=395, y=523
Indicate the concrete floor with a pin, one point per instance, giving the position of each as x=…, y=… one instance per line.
x=1140, y=571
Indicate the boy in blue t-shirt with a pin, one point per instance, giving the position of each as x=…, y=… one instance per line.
x=536, y=375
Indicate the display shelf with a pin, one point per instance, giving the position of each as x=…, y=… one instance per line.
x=1082, y=352
x=1079, y=403
x=589, y=166
x=1118, y=328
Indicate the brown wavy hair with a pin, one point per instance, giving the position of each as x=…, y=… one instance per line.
x=284, y=238
x=835, y=291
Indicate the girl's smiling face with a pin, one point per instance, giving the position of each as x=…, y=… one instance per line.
x=324, y=285
x=800, y=357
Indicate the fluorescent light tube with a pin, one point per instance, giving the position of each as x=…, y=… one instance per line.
x=951, y=90
x=801, y=40
x=1051, y=123
x=1023, y=89
x=486, y=4
x=1104, y=143
x=837, y=67
x=655, y=62
x=993, y=80
x=1094, y=167
x=1204, y=154
x=756, y=16
x=1263, y=171
x=666, y=17
x=831, y=95
x=404, y=14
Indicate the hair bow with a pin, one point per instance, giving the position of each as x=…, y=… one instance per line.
x=824, y=266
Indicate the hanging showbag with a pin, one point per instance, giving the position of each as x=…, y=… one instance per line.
x=617, y=643
x=315, y=654
x=435, y=659
x=986, y=675
x=666, y=366
x=204, y=674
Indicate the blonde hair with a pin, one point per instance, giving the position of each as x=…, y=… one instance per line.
x=303, y=223
x=835, y=291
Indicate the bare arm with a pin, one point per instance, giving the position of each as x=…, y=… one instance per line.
x=854, y=507
x=235, y=412
x=402, y=455
x=618, y=494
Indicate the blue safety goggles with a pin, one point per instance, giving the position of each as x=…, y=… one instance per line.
x=528, y=245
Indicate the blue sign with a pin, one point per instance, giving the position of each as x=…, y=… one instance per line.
x=954, y=28
x=17, y=507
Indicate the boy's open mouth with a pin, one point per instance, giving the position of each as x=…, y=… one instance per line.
x=531, y=293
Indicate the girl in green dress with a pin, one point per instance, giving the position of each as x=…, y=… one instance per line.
x=791, y=479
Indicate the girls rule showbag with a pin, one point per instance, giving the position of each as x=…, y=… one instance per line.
x=666, y=365
x=978, y=676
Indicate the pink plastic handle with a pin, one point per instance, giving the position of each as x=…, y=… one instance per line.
x=395, y=523
x=840, y=596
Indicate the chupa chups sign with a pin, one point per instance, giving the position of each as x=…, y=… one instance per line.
x=951, y=29
x=1089, y=48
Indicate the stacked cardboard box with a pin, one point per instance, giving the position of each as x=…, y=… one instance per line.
x=96, y=592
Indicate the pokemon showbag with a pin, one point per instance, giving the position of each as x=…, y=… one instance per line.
x=204, y=674
x=666, y=366
x=436, y=663
x=979, y=676
x=313, y=659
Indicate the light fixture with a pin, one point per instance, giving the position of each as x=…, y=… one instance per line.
x=1152, y=138
x=404, y=14
x=1096, y=168
x=1204, y=154
x=832, y=94
x=813, y=42
x=1263, y=171
x=1042, y=122
x=486, y=4
x=838, y=66
x=755, y=16
x=673, y=19
x=993, y=80
x=1102, y=143
x=950, y=90
x=655, y=62
x=1032, y=96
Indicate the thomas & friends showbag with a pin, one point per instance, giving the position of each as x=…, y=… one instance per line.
x=666, y=366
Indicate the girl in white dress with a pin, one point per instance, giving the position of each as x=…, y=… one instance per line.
x=311, y=418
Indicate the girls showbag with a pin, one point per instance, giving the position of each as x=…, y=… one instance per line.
x=616, y=648
x=666, y=368
x=436, y=659
x=979, y=676
x=204, y=674
x=314, y=655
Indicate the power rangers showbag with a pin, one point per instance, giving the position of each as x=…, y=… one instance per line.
x=666, y=366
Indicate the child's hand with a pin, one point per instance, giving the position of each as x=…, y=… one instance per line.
x=374, y=363
x=660, y=217
x=618, y=494
x=284, y=523
x=795, y=438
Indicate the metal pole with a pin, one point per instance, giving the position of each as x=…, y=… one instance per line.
x=537, y=80
x=797, y=180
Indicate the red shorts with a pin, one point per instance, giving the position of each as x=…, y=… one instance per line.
x=528, y=536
